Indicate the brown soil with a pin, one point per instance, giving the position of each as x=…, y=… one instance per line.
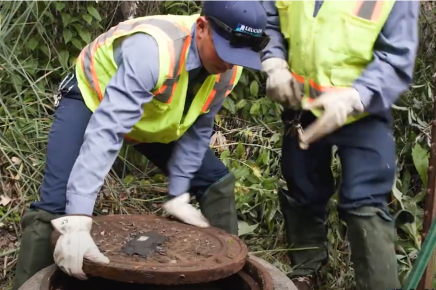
x=8, y=243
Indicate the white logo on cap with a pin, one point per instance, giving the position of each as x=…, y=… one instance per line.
x=247, y=29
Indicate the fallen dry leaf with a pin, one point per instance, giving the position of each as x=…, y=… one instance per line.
x=16, y=160
x=4, y=200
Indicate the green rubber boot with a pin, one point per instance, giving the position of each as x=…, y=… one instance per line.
x=371, y=233
x=36, y=251
x=218, y=204
x=304, y=230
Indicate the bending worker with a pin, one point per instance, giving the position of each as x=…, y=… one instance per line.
x=337, y=67
x=157, y=81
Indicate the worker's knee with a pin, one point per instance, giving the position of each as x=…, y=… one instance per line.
x=368, y=186
x=367, y=154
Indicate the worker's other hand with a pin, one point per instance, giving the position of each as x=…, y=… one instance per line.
x=337, y=106
x=281, y=86
x=180, y=208
x=75, y=244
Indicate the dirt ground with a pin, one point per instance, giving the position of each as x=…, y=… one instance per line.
x=8, y=246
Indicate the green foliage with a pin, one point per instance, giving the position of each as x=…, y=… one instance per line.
x=40, y=41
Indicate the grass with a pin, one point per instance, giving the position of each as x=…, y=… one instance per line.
x=38, y=43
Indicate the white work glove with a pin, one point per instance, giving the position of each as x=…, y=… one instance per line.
x=281, y=86
x=180, y=208
x=75, y=244
x=337, y=106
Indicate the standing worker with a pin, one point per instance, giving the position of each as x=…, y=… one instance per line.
x=157, y=81
x=344, y=65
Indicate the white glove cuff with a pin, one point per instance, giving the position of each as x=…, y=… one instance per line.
x=72, y=224
x=273, y=64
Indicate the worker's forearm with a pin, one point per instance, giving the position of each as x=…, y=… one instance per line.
x=391, y=71
x=118, y=112
x=189, y=152
x=102, y=141
x=276, y=47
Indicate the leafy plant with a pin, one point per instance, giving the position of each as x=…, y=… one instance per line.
x=39, y=42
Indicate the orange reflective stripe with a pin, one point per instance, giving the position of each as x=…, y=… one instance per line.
x=133, y=141
x=369, y=10
x=314, y=89
x=299, y=78
x=167, y=30
x=211, y=95
x=87, y=65
x=300, y=81
x=166, y=92
x=222, y=87
x=232, y=83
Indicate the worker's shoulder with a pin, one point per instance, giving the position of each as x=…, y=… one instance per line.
x=139, y=45
x=142, y=40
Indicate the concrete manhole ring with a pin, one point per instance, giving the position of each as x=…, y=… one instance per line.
x=189, y=255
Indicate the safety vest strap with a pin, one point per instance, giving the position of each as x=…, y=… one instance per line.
x=175, y=35
x=222, y=88
x=178, y=51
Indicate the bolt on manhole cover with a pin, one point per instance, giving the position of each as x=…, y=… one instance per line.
x=157, y=250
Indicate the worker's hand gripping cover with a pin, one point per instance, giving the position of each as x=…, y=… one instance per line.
x=180, y=208
x=75, y=244
x=337, y=106
x=281, y=86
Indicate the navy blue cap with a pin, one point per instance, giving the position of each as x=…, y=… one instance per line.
x=248, y=17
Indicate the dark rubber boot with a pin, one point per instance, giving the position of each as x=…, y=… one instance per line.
x=304, y=230
x=36, y=251
x=218, y=204
x=371, y=233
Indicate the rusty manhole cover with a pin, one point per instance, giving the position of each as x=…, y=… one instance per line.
x=187, y=255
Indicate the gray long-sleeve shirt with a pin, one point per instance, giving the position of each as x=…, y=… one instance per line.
x=391, y=71
x=122, y=106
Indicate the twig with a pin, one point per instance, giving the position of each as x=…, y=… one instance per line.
x=9, y=252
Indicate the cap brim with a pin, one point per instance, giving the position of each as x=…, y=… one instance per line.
x=245, y=57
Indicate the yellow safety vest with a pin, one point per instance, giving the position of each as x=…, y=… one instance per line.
x=163, y=119
x=330, y=51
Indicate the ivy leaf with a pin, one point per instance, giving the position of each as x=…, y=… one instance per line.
x=63, y=58
x=94, y=13
x=254, y=88
x=85, y=35
x=244, y=228
x=276, y=137
x=255, y=108
x=239, y=150
x=66, y=19
x=229, y=104
x=87, y=18
x=241, y=104
x=59, y=5
x=67, y=35
x=76, y=42
x=32, y=43
x=420, y=160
